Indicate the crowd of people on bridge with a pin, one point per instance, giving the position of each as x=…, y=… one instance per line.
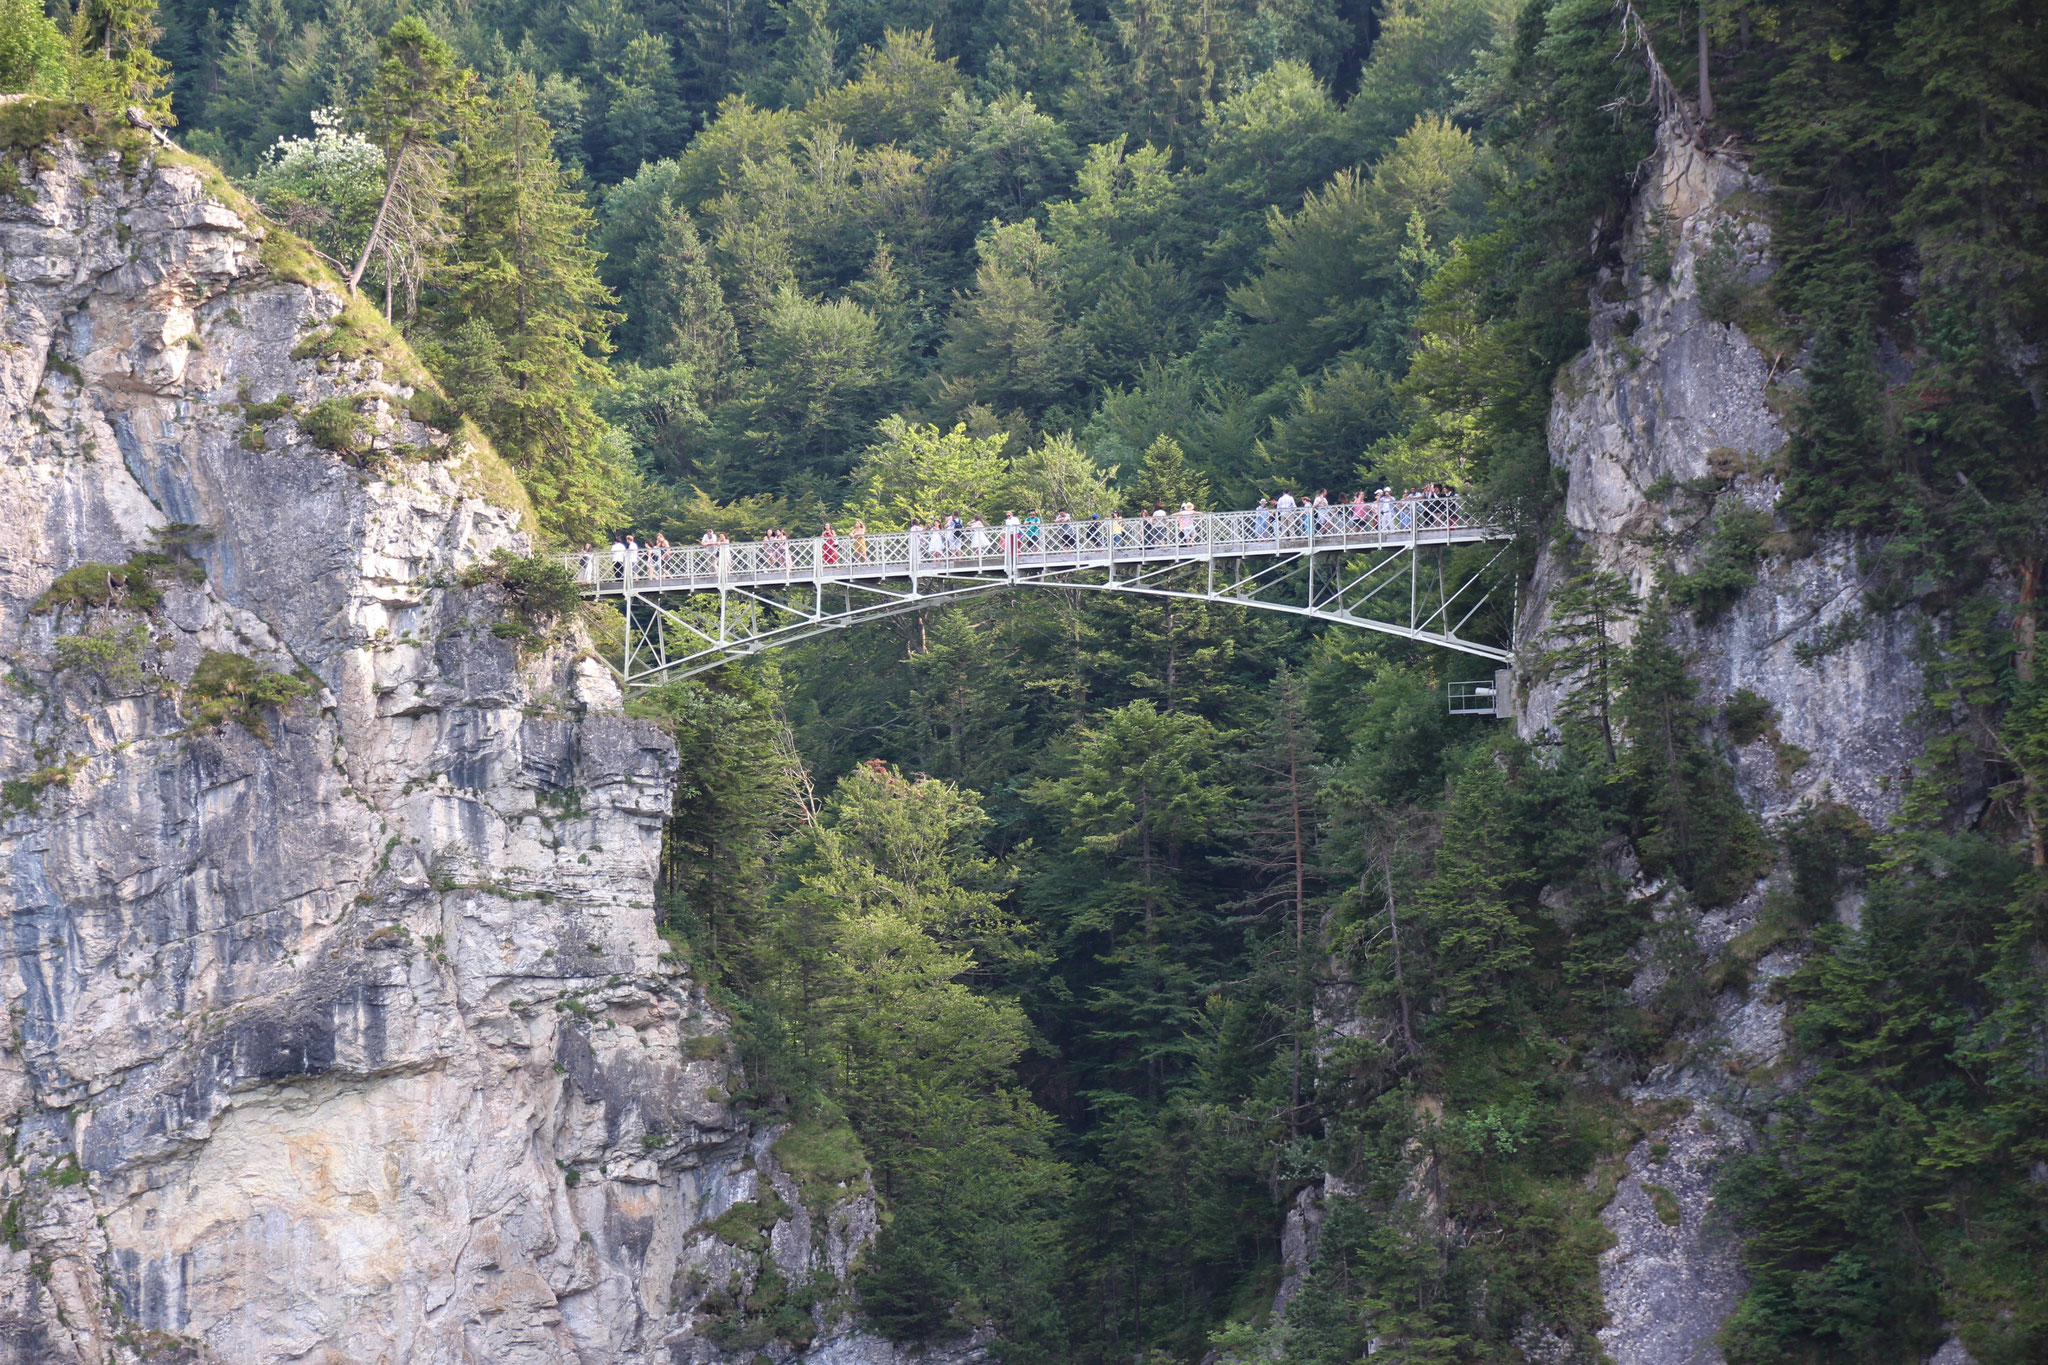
x=967, y=536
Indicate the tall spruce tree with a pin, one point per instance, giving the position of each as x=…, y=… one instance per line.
x=417, y=95
x=526, y=316
x=1142, y=795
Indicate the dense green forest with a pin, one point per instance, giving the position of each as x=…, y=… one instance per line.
x=1100, y=930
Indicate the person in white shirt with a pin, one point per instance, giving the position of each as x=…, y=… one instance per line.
x=618, y=559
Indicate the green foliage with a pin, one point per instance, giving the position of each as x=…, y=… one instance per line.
x=336, y=425
x=25, y=794
x=1747, y=716
x=918, y=472
x=1138, y=796
x=1892, y=1198
x=823, y=1156
x=1585, y=618
x=133, y=585
x=34, y=58
x=1165, y=479
x=110, y=653
x=746, y=1224
x=883, y=914
x=525, y=315
x=114, y=67
x=325, y=187
x=234, y=687
x=1475, y=941
x=733, y=792
x=1726, y=567
x=1230, y=248
x=540, y=589
x=1689, y=820
x=1902, y=195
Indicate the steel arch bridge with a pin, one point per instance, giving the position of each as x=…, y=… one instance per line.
x=691, y=608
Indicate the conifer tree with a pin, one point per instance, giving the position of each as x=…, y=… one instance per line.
x=1690, y=821
x=116, y=65
x=736, y=788
x=1584, y=620
x=1278, y=846
x=1476, y=940
x=523, y=308
x=1166, y=479
x=1141, y=793
x=684, y=319
x=417, y=95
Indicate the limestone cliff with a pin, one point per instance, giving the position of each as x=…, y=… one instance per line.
x=1667, y=425
x=339, y=1028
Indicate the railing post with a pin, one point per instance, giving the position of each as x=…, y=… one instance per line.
x=913, y=537
x=1414, y=567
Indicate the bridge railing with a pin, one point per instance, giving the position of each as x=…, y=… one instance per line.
x=1028, y=544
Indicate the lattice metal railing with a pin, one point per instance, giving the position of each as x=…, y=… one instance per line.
x=1027, y=545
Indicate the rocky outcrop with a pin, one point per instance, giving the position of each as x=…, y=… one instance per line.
x=1669, y=423
x=1666, y=426
x=340, y=1026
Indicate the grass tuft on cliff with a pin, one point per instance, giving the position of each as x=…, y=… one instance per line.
x=234, y=687
x=823, y=1156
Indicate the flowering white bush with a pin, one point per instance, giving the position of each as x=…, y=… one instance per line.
x=324, y=187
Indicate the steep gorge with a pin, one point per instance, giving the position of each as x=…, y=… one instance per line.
x=341, y=1028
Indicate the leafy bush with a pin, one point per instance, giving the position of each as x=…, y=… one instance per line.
x=112, y=653
x=336, y=425
x=268, y=412
x=34, y=58
x=1727, y=567
x=746, y=1224
x=26, y=793
x=132, y=585
x=235, y=687
x=325, y=187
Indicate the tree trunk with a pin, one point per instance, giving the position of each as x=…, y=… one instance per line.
x=1706, y=84
x=2025, y=633
x=355, y=277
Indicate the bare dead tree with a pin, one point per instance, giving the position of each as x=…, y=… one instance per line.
x=1672, y=108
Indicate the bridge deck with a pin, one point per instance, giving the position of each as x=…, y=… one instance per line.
x=999, y=551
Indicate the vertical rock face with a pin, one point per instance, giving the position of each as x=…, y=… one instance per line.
x=339, y=1029
x=1666, y=426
